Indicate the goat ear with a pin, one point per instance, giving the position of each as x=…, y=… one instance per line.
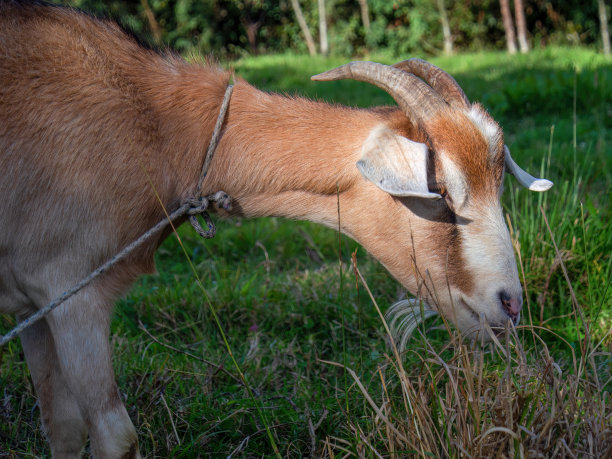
x=534, y=184
x=395, y=164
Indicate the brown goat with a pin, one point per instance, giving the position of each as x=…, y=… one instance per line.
x=91, y=123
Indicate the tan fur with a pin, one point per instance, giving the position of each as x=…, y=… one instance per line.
x=469, y=148
x=92, y=123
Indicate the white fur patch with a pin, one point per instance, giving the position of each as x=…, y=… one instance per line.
x=454, y=180
x=489, y=129
x=488, y=254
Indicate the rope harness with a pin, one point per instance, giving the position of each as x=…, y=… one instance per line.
x=191, y=207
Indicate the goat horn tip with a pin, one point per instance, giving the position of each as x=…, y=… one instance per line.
x=326, y=76
x=339, y=73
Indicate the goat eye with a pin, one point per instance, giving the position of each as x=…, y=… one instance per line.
x=441, y=190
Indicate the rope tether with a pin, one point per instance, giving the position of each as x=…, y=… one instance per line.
x=190, y=207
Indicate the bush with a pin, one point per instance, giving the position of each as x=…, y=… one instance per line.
x=231, y=28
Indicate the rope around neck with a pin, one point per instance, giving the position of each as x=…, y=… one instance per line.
x=192, y=207
x=200, y=204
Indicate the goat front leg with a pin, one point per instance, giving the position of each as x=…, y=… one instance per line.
x=61, y=417
x=80, y=330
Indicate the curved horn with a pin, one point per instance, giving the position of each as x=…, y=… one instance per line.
x=438, y=79
x=418, y=101
x=534, y=184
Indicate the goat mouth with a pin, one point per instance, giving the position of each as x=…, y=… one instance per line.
x=466, y=306
x=497, y=328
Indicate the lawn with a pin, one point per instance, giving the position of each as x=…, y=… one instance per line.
x=321, y=379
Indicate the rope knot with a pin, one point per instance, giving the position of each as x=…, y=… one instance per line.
x=222, y=200
x=192, y=207
x=199, y=206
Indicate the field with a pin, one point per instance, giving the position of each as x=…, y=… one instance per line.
x=280, y=350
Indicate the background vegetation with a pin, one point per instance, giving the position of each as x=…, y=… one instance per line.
x=402, y=27
x=323, y=379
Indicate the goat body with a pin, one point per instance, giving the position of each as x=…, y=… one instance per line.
x=93, y=125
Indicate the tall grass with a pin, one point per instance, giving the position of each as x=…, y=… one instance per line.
x=512, y=398
x=310, y=342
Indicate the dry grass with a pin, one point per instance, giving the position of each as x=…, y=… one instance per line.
x=508, y=398
x=454, y=404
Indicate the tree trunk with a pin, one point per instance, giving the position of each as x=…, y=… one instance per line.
x=603, y=21
x=521, y=26
x=302, y=22
x=155, y=30
x=251, y=30
x=448, y=38
x=365, y=14
x=508, y=26
x=323, y=46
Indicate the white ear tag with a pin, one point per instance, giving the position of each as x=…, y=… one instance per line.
x=395, y=164
x=528, y=181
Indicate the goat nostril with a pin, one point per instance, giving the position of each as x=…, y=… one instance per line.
x=511, y=305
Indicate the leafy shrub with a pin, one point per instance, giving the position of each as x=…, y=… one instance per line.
x=230, y=28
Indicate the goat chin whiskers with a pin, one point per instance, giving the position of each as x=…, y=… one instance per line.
x=404, y=316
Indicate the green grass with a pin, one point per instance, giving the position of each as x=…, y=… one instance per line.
x=288, y=306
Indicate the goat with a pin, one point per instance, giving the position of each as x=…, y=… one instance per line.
x=92, y=122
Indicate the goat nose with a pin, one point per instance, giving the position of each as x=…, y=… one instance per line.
x=512, y=305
